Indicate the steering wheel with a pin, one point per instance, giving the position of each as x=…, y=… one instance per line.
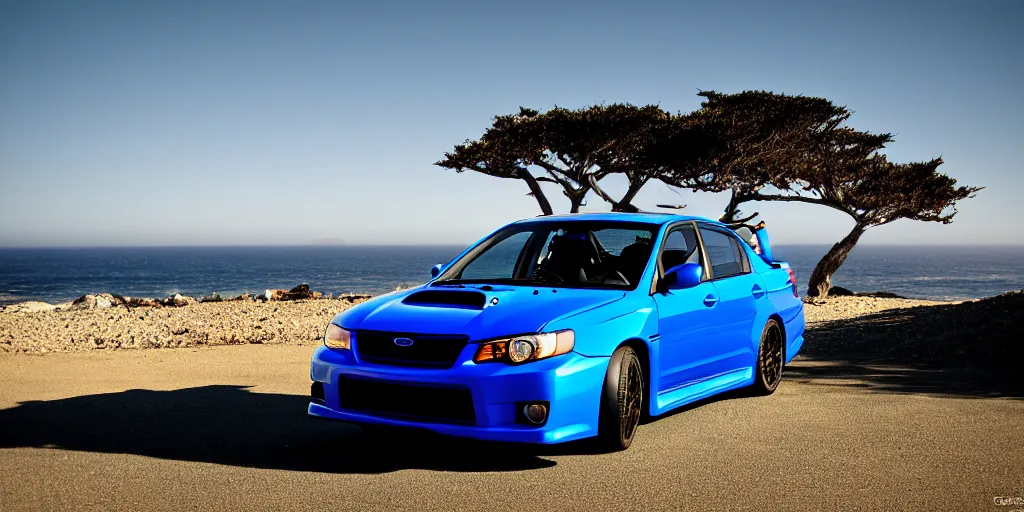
x=541, y=270
x=622, y=277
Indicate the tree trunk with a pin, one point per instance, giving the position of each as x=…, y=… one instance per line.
x=626, y=203
x=731, y=209
x=574, y=204
x=538, y=194
x=821, y=277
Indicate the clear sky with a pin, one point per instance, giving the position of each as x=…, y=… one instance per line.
x=207, y=122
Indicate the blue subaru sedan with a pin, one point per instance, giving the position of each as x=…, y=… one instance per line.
x=566, y=327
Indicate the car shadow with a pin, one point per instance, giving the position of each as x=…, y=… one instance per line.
x=227, y=424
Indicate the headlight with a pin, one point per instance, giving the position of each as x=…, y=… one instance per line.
x=338, y=338
x=522, y=349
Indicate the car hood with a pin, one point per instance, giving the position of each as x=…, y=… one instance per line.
x=481, y=312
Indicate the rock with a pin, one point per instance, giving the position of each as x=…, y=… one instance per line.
x=103, y=300
x=142, y=302
x=244, y=296
x=881, y=295
x=211, y=298
x=32, y=306
x=839, y=291
x=300, y=292
x=178, y=300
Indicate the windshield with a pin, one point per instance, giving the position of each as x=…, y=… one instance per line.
x=573, y=254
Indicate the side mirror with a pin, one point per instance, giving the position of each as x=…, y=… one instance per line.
x=436, y=271
x=683, y=276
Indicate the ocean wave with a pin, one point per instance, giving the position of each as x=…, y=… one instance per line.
x=990, y=277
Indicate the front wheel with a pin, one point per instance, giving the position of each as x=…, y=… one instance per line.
x=768, y=370
x=622, y=400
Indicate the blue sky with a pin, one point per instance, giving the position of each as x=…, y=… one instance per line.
x=167, y=123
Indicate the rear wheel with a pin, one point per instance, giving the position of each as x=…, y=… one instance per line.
x=621, y=400
x=768, y=371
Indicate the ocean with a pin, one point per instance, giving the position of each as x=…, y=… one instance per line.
x=57, y=275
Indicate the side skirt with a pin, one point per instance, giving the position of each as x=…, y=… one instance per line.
x=678, y=397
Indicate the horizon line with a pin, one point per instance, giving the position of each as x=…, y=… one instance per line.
x=314, y=245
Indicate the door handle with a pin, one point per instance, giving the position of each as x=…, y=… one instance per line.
x=710, y=300
x=757, y=292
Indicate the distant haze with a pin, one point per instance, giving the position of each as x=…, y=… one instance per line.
x=226, y=123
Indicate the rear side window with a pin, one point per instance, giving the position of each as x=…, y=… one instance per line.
x=724, y=251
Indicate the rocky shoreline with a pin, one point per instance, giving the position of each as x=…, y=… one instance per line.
x=109, y=300
x=108, y=321
x=299, y=316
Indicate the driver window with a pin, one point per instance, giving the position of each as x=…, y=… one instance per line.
x=680, y=247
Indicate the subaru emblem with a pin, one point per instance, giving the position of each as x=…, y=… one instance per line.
x=403, y=342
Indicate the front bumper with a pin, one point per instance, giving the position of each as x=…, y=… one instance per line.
x=571, y=383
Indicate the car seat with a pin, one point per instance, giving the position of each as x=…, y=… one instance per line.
x=571, y=256
x=633, y=260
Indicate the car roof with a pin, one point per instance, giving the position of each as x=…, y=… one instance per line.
x=645, y=217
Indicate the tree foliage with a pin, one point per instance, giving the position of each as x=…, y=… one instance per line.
x=774, y=147
x=506, y=150
x=575, y=149
x=758, y=145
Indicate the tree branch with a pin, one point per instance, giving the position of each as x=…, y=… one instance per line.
x=634, y=188
x=617, y=206
x=797, y=199
x=538, y=194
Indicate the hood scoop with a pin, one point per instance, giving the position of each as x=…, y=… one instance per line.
x=458, y=299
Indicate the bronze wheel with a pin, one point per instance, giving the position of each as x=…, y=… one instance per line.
x=769, y=359
x=622, y=400
x=633, y=397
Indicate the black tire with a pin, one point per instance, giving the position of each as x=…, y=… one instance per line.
x=770, y=354
x=622, y=400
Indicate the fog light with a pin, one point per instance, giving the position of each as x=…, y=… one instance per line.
x=535, y=413
x=316, y=392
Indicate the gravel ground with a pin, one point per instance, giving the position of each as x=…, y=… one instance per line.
x=817, y=311
x=33, y=329
x=982, y=334
x=300, y=322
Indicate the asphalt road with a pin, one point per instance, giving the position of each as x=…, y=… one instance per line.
x=225, y=428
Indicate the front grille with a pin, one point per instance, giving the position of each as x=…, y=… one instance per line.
x=423, y=403
x=425, y=350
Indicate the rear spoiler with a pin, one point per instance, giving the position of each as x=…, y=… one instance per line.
x=764, y=243
x=760, y=243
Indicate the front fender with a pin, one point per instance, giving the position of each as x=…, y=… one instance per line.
x=601, y=330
